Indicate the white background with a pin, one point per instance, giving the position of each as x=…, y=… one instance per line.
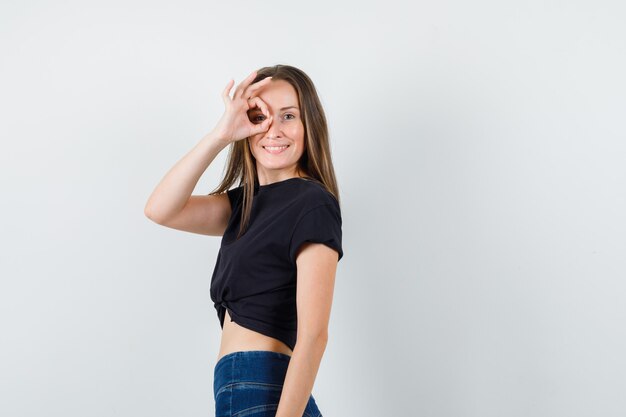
x=480, y=150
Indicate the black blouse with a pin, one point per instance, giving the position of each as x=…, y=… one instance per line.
x=255, y=276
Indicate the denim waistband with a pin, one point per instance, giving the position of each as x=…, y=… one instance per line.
x=251, y=366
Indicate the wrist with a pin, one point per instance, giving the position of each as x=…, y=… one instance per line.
x=216, y=139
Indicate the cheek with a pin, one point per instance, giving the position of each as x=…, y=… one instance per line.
x=300, y=145
x=252, y=144
x=298, y=134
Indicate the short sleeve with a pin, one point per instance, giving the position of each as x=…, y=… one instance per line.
x=321, y=224
x=234, y=195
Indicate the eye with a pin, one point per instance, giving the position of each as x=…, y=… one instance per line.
x=255, y=118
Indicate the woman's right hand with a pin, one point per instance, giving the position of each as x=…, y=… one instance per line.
x=235, y=123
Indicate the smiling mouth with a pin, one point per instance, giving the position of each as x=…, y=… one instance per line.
x=275, y=149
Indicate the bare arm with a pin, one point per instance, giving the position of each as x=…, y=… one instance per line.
x=171, y=203
x=317, y=267
x=173, y=192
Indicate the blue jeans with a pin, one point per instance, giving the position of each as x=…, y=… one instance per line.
x=249, y=384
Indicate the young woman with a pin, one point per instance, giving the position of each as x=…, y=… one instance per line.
x=273, y=281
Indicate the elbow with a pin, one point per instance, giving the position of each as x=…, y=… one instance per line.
x=149, y=213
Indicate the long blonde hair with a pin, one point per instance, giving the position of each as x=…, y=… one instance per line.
x=316, y=161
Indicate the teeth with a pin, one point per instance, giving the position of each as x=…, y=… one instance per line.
x=275, y=148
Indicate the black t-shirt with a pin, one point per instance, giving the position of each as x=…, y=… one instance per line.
x=255, y=275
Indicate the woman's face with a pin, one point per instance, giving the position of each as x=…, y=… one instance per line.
x=286, y=129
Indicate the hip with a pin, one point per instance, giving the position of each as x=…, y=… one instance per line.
x=250, y=383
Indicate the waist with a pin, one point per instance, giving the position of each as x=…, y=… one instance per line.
x=258, y=366
x=236, y=338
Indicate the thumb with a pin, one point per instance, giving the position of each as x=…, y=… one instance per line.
x=264, y=126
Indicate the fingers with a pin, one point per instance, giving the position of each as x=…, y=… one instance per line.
x=257, y=102
x=244, y=89
x=262, y=127
x=242, y=86
x=226, y=91
x=254, y=87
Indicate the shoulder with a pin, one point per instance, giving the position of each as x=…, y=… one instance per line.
x=312, y=193
x=318, y=219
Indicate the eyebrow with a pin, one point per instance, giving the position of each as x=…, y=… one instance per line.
x=284, y=108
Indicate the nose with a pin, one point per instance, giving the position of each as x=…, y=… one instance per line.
x=274, y=130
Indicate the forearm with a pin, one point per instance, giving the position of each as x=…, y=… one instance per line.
x=175, y=188
x=301, y=373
